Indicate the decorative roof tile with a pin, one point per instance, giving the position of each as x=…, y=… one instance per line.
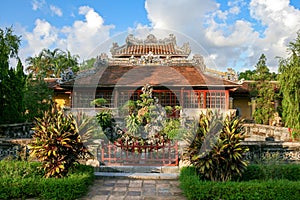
x=122, y=76
x=136, y=47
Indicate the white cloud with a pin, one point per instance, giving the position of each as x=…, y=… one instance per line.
x=234, y=10
x=240, y=34
x=236, y=44
x=55, y=10
x=282, y=21
x=38, y=4
x=43, y=36
x=177, y=14
x=84, y=36
x=81, y=38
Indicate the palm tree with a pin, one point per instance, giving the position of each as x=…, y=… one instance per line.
x=50, y=64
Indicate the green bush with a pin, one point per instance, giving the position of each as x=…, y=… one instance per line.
x=22, y=180
x=57, y=143
x=195, y=188
x=215, y=146
x=271, y=172
x=20, y=169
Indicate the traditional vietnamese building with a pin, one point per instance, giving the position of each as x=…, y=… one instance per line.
x=178, y=79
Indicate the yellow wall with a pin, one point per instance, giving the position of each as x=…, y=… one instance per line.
x=244, y=106
x=62, y=99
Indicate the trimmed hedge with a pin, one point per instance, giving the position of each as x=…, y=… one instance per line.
x=195, y=188
x=24, y=180
x=271, y=172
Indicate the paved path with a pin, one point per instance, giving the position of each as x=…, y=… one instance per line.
x=109, y=188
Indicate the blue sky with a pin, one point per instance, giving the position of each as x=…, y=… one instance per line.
x=232, y=33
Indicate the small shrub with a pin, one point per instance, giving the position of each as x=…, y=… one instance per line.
x=100, y=102
x=264, y=172
x=105, y=119
x=215, y=148
x=194, y=188
x=87, y=126
x=57, y=143
x=20, y=169
x=16, y=185
x=172, y=129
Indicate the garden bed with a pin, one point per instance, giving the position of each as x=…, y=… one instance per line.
x=22, y=180
x=257, y=182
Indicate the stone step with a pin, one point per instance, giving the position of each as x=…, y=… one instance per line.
x=139, y=169
x=156, y=176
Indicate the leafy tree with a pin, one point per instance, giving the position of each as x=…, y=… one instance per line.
x=9, y=47
x=258, y=73
x=87, y=64
x=50, y=64
x=14, y=87
x=22, y=98
x=247, y=75
x=11, y=80
x=37, y=98
x=289, y=70
x=265, y=92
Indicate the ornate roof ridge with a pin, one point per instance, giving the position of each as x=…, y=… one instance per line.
x=150, y=39
x=138, y=47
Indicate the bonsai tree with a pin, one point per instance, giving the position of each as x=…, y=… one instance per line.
x=145, y=123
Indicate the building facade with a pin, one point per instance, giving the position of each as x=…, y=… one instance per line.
x=177, y=78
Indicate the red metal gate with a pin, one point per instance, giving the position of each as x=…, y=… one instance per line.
x=139, y=155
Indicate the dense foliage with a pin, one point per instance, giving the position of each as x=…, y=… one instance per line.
x=215, y=147
x=57, y=143
x=145, y=122
x=265, y=172
x=37, y=98
x=260, y=69
x=51, y=64
x=11, y=80
x=265, y=93
x=289, y=79
x=195, y=188
x=24, y=180
x=21, y=97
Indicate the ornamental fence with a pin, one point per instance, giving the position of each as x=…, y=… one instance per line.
x=165, y=154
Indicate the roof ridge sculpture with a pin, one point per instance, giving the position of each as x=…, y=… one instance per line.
x=150, y=39
x=137, y=47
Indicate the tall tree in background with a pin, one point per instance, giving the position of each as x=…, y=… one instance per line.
x=14, y=88
x=37, y=98
x=253, y=74
x=22, y=98
x=9, y=46
x=50, y=64
x=87, y=64
x=247, y=75
x=264, y=109
x=289, y=78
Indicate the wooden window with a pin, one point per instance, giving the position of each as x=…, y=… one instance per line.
x=125, y=95
x=216, y=99
x=105, y=94
x=82, y=99
x=167, y=97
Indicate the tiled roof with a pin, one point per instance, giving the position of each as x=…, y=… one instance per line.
x=156, y=49
x=117, y=75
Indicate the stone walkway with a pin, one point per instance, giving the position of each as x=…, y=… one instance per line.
x=109, y=188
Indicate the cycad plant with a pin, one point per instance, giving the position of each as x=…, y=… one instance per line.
x=215, y=147
x=87, y=126
x=57, y=143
